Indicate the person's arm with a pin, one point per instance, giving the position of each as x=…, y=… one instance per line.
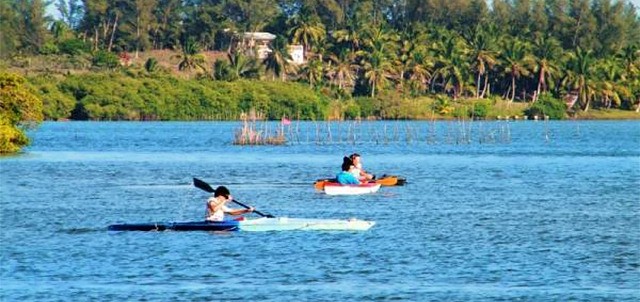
x=365, y=175
x=239, y=211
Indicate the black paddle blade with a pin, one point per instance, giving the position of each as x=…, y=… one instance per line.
x=202, y=185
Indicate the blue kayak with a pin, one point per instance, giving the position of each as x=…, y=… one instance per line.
x=230, y=225
x=252, y=225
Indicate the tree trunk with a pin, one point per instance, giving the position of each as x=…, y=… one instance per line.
x=373, y=90
x=540, y=83
x=486, y=86
x=586, y=98
x=478, y=86
x=113, y=32
x=137, y=34
x=513, y=87
x=95, y=39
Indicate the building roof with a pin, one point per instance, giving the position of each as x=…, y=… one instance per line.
x=259, y=35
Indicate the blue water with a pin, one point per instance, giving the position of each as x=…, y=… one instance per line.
x=532, y=211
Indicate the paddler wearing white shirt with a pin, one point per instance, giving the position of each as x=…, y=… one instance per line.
x=217, y=205
x=358, y=172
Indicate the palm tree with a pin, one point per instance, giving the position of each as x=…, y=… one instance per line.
x=377, y=69
x=278, y=60
x=517, y=63
x=483, y=56
x=545, y=49
x=306, y=31
x=350, y=35
x=376, y=58
x=451, y=65
x=342, y=68
x=630, y=57
x=610, y=86
x=313, y=71
x=191, y=57
x=580, y=67
x=243, y=66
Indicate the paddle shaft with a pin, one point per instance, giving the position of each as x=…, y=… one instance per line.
x=206, y=187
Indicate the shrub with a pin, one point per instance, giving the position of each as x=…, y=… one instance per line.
x=49, y=49
x=73, y=47
x=480, y=109
x=548, y=105
x=151, y=65
x=105, y=59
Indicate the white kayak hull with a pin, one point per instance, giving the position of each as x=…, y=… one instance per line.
x=338, y=189
x=303, y=224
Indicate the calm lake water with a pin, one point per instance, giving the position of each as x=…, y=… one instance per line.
x=493, y=211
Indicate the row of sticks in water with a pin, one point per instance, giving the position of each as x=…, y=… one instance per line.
x=385, y=132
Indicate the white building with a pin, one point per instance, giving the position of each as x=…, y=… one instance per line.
x=261, y=41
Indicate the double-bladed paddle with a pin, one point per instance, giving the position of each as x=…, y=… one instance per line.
x=206, y=187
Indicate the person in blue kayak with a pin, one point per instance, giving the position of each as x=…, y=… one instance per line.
x=358, y=172
x=345, y=177
x=217, y=205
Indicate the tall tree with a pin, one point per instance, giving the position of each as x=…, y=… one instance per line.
x=71, y=12
x=379, y=47
x=517, y=62
x=31, y=24
x=306, y=31
x=342, y=68
x=9, y=34
x=581, y=75
x=168, y=24
x=278, y=60
x=250, y=15
x=546, y=51
x=137, y=22
x=452, y=64
x=484, y=57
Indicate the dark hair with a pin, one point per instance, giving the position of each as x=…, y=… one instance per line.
x=346, y=163
x=221, y=191
x=354, y=155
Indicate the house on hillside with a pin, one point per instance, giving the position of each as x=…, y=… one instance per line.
x=260, y=43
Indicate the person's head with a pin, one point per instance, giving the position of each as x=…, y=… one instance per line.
x=222, y=191
x=355, y=158
x=346, y=164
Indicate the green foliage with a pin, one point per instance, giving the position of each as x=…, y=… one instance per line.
x=351, y=110
x=151, y=65
x=481, y=109
x=548, y=105
x=73, y=47
x=222, y=71
x=367, y=106
x=442, y=106
x=112, y=96
x=56, y=104
x=49, y=48
x=105, y=59
x=19, y=108
x=12, y=139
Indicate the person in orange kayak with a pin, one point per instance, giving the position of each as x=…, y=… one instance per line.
x=217, y=205
x=345, y=177
x=358, y=172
